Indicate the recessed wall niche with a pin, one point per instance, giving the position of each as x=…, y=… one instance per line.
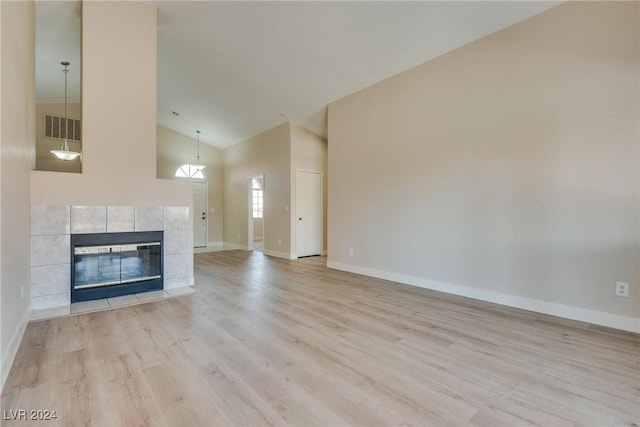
x=58, y=37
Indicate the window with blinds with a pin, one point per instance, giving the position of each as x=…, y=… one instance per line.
x=56, y=127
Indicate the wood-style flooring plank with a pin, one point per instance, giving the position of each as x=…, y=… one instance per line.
x=272, y=342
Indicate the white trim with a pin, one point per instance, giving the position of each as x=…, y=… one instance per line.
x=626, y=323
x=214, y=244
x=233, y=246
x=279, y=254
x=294, y=230
x=12, y=348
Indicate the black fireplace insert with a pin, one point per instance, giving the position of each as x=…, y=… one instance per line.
x=106, y=265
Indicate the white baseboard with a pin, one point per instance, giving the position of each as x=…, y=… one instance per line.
x=214, y=244
x=11, y=350
x=277, y=254
x=616, y=321
x=232, y=246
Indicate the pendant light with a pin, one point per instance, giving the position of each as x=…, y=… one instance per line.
x=64, y=153
x=198, y=165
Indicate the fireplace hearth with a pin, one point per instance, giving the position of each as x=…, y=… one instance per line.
x=106, y=265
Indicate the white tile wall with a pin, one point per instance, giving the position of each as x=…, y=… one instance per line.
x=178, y=265
x=178, y=258
x=48, y=301
x=149, y=218
x=49, y=250
x=48, y=220
x=50, y=280
x=51, y=227
x=176, y=218
x=176, y=241
x=177, y=283
x=88, y=219
x=120, y=219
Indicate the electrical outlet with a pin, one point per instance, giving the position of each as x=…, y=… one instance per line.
x=622, y=289
x=350, y=251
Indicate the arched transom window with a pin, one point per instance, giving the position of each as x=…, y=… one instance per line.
x=190, y=171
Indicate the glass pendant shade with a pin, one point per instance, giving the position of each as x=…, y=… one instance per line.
x=64, y=153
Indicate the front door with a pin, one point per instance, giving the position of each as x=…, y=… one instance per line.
x=199, y=214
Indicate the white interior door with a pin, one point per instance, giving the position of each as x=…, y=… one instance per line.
x=199, y=214
x=308, y=213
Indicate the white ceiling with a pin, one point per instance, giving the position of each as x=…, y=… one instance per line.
x=232, y=69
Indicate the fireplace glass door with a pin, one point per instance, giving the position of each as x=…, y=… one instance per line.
x=107, y=265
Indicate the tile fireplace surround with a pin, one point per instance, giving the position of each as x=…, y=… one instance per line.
x=52, y=226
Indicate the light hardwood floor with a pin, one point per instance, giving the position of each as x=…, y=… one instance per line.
x=273, y=342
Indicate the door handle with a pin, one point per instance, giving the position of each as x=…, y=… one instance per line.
x=300, y=219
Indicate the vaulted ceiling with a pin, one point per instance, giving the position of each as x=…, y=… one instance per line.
x=235, y=69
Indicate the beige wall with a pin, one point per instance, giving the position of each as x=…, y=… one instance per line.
x=118, y=113
x=506, y=170
x=268, y=153
x=175, y=150
x=45, y=161
x=17, y=142
x=308, y=152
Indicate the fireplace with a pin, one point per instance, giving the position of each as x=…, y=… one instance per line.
x=106, y=265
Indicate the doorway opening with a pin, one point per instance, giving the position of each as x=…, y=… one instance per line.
x=256, y=213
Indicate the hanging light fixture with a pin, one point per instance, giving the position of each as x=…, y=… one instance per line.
x=198, y=166
x=64, y=153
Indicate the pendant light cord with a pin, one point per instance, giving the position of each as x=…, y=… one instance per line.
x=66, y=118
x=198, y=146
x=66, y=71
x=64, y=153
